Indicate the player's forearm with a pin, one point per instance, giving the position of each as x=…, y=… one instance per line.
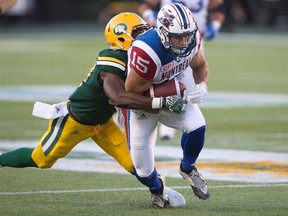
x=132, y=100
x=201, y=73
x=200, y=68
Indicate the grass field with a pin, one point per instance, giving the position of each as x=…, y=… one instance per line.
x=238, y=63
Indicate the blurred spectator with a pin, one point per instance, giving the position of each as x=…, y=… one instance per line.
x=5, y=5
x=238, y=12
x=258, y=12
x=21, y=8
x=274, y=12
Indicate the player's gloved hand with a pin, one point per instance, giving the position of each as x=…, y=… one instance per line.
x=212, y=30
x=174, y=103
x=198, y=93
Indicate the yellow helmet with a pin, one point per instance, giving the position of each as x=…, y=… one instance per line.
x=123, y=28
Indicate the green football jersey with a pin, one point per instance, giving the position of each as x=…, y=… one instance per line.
x=89, y=101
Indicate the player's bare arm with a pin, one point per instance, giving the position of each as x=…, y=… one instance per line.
x=201, y=75
x=200, y=68
x=114, y=88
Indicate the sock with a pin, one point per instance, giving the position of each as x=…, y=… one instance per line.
x=152, y=181
x=192, y=145
x=18, y=158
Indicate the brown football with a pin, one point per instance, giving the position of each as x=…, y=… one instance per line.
x=168, y=88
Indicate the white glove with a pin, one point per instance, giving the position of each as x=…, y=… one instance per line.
x=198, y=93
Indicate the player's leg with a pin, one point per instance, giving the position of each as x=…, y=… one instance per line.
x=18, y=158
x=142, y=137
x=113, y=141
x=61, y=137
x=192, y=143
x=192, y=123
x=22, y=157
x=166, y=133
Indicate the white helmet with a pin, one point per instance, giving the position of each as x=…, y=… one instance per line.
x=176, y=20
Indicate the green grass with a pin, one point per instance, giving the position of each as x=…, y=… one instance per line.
x=237, y=64
x=224, y=201
x=251, y=64
x=37, y=61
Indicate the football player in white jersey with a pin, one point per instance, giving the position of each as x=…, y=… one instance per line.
x=167, y=52
x=209, y=15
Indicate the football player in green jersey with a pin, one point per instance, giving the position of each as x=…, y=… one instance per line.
x=89, y=110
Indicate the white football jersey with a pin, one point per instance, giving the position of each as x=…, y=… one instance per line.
x=150, y=60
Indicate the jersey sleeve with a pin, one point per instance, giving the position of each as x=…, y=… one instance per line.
x=142, y=61
x=112, y=61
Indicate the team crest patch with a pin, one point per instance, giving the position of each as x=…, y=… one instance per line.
x=167, y=19
x=120, y=29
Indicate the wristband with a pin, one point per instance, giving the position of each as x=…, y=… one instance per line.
x=156, y=103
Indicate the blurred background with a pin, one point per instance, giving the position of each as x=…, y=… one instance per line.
x=240, y=14
x=47, y=48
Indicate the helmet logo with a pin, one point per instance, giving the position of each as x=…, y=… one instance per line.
x=167, y=19
x=120, y=29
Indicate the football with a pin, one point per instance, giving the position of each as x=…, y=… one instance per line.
x=168, y=88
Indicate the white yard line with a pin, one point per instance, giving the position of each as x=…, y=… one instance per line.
x=131, y=189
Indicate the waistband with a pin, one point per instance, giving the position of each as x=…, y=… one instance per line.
x=74, y=116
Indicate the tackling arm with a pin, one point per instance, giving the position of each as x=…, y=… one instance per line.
x=114, y=88
x=137, y=84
